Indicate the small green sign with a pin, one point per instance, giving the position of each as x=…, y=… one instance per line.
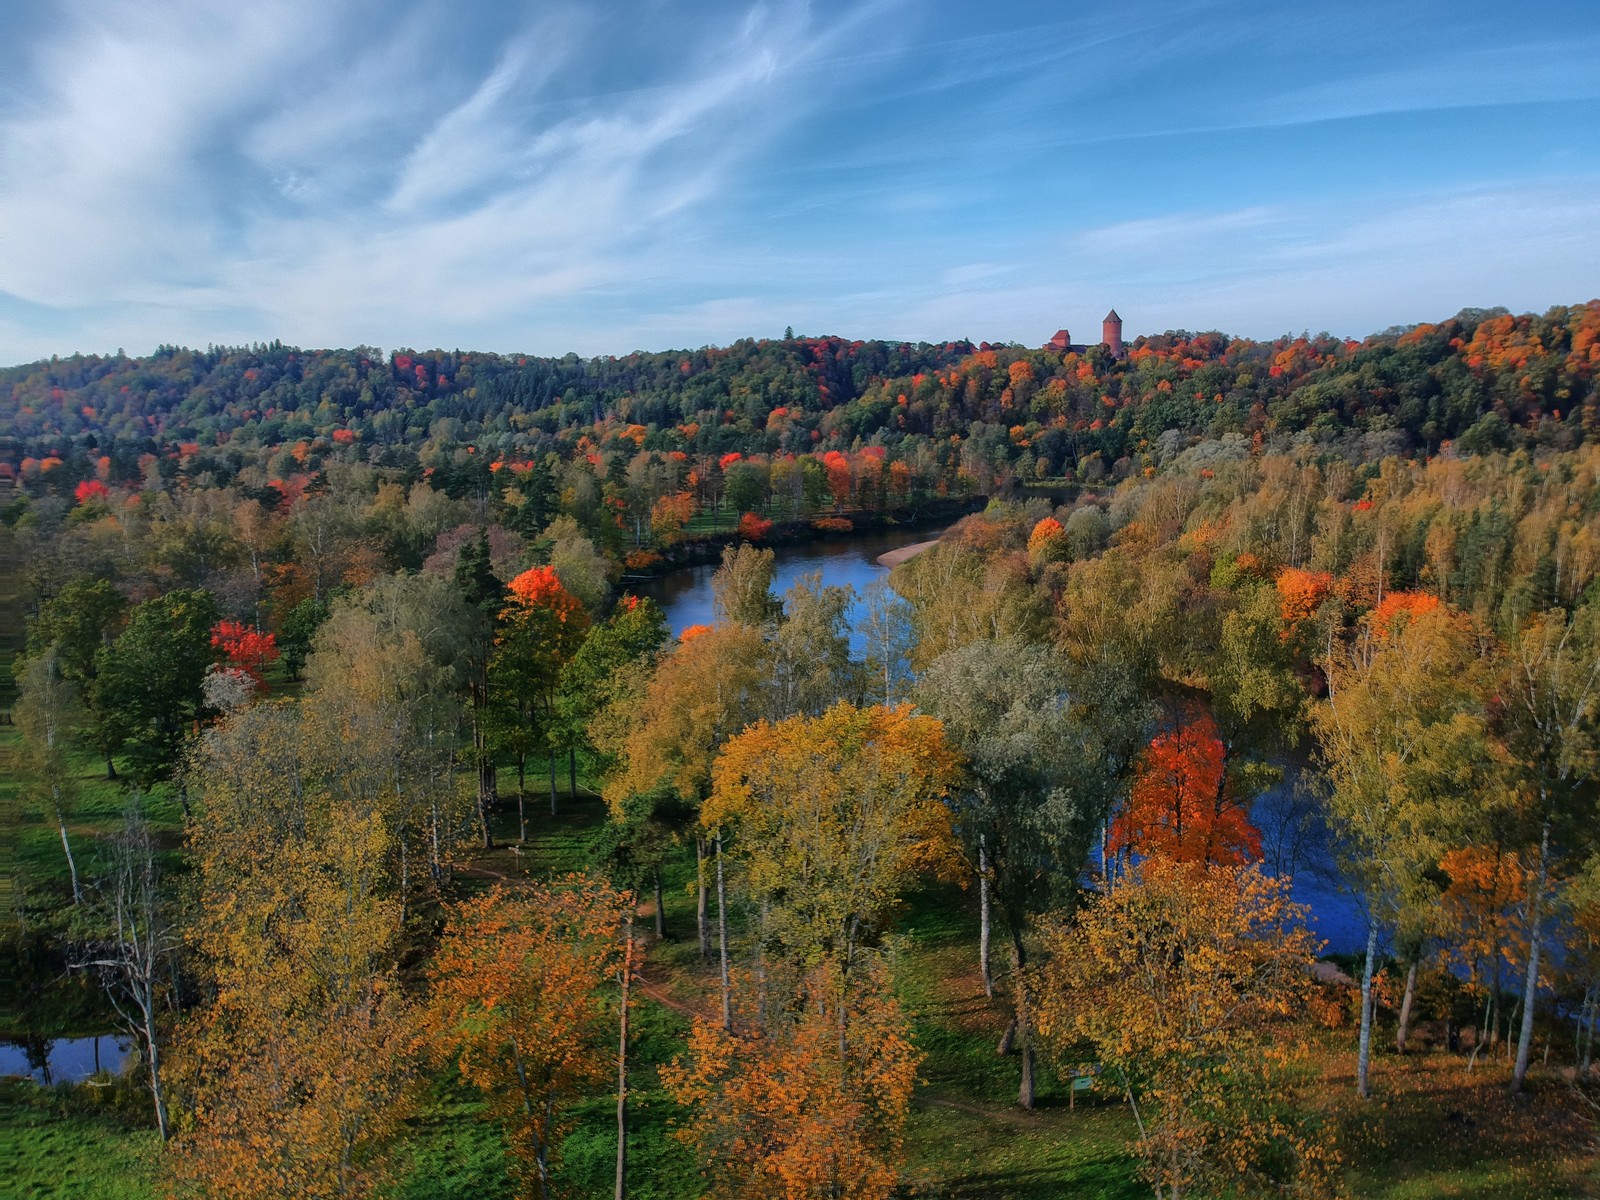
x=1082, y=1083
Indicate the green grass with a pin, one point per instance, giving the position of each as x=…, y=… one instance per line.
x=966, y=1136
x=55, y=1144
x=33, y=851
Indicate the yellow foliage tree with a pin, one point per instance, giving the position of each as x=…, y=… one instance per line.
x=835, y=816
x=1184, y=983
x=297, y=1068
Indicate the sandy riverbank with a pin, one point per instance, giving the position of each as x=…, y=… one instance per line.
x=895, y=557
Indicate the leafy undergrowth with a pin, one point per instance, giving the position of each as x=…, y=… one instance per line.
x=1435, y=1129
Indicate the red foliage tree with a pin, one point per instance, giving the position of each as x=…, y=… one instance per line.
x=753, y=528
x=90, y=490
x=1183, y=805
x=249, y=650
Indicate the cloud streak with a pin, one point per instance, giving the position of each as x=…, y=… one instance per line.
x=565, y=176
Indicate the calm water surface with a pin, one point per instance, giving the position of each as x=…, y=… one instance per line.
x=685, y=595
x=65, y=1060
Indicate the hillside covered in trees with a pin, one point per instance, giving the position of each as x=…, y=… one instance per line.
x=1483, y=380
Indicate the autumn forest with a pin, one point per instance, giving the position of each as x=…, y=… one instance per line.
x=357, y=783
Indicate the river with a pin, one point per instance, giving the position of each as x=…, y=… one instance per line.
x=1295, y=843
x=685, y=595
x=65, y=1060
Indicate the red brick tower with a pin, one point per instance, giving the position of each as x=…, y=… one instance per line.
x=1111, y=333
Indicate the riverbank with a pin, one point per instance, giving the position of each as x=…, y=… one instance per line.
x=895, y=557
x=827, y=527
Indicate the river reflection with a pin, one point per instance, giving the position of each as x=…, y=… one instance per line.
x=64, y=1060
x=685, y=595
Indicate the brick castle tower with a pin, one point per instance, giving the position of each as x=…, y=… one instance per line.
x=1111, y=333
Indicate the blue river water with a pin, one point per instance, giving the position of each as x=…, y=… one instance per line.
x=685, y=595
x=1295, y=842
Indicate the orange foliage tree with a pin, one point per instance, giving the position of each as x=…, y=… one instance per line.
x=1185, y=983
x=516, y=1001
x=1408, y=604
x=1047, y=542
x=1301, y=593
x=669, y=515
x=798, y=1100
x=1182, y=805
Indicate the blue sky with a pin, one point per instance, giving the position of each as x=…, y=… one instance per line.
x=613, y=176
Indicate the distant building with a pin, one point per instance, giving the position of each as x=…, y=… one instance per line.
x=1110, y=334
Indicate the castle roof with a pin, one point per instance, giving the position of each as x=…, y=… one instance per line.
x=1112, y=316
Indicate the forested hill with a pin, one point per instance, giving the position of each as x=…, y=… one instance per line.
x=1482, y=379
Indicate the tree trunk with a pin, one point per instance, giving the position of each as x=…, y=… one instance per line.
x=1530, y=983
x=153, y=1056
x=1019, y=960
x=522, y=797
x=485, y=798
x=552, y=759
x=1405, y=1009
x=72, y=867
x=704, y=925
x=1588, y=1034
x=661, y=907
x=111, y=768
x=722, y=941
x=622, y=1067
x=1008, y=1040
x=983, y=918
x=1364, y=1051
x=572, y=772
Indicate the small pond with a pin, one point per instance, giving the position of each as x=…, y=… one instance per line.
x=64, y=1060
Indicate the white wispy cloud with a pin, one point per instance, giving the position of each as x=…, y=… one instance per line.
x=361, y=206
x=563, y=175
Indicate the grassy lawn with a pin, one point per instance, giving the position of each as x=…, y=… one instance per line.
x=60, y=1145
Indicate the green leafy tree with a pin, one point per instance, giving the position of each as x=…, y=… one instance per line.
x=1043, y=771
x=1550, y=719
x=299, y=628
x=80, y=621
x=484, y=595
x=1403, y=740
x=47, y=710
x=149, y=681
